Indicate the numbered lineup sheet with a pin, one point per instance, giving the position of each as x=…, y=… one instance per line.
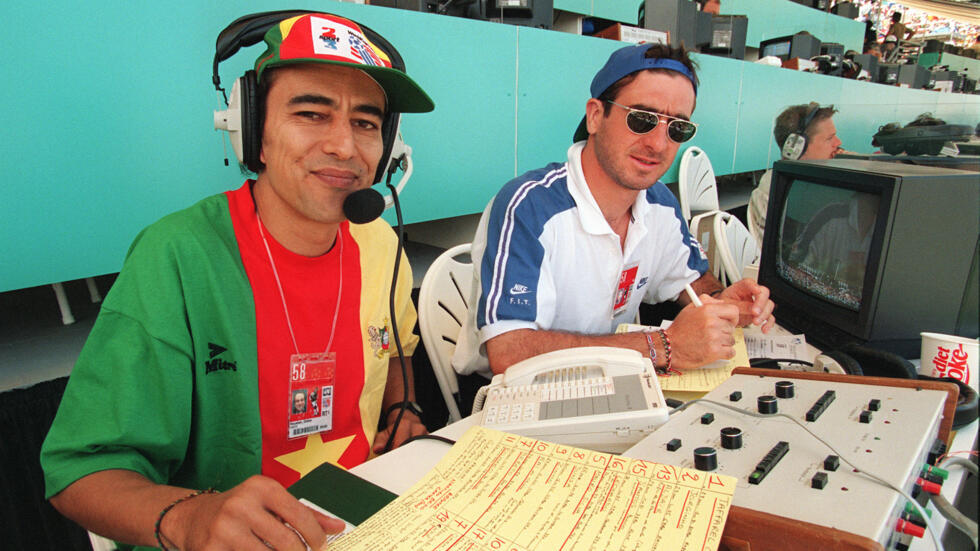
x=496, y=490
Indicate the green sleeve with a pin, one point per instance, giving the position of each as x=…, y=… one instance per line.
x=146, y=394
x=127, y=402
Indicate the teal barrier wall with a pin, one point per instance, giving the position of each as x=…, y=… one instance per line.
x=775, y=18
x=107, y=115
x=626, y=11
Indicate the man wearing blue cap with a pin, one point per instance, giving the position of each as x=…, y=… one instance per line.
x=566, y=253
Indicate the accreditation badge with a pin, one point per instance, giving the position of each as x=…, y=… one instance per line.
x=624, y=287
x=311, y=393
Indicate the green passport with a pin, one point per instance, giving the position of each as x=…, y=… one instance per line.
x=346, y=495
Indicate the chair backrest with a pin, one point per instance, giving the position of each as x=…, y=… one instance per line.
x=753, y=224
x=697, y=187
x=703, y=229
x=442, y=309
x=736, y=247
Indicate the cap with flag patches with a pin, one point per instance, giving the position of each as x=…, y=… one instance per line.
x=324, y=38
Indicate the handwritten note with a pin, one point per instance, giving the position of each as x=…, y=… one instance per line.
x=704, y=378
x=499, y=491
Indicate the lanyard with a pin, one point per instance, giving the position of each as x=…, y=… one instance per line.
x=285, y=309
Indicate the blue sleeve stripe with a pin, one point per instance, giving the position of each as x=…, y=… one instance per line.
x=497, y=284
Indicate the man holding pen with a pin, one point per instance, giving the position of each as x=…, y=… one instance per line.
x=566, y=253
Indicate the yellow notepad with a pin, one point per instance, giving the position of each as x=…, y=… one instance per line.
x=495, y=490
x=705, y=378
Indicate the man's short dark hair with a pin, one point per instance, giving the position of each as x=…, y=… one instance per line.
x=789, y=121
x=665, y=51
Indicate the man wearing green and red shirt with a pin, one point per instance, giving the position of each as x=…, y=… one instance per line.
x=227, y=311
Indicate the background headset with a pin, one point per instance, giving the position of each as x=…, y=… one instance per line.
x=244, y=117
x=795, y=144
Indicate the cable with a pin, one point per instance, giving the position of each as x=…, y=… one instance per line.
x=932, y=529
x=764, y=362
x=430, y=437
x=400, y=230
x=965, y=524
x=960, y=462
x=955, y=517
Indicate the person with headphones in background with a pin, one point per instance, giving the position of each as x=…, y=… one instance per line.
x=565, y=253
x=802, y=132
x=178, y=427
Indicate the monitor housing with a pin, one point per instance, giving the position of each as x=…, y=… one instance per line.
x=841, y=276
x=802, y=44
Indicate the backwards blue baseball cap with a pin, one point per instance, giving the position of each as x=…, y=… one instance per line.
x=626, y=61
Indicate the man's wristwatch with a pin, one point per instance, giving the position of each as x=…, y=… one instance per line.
x=409, y=406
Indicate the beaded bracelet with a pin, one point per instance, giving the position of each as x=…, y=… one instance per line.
x=653, y=349
x=163, y=513
x=666, y=341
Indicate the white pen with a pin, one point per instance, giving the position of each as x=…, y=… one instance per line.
x=694, y=296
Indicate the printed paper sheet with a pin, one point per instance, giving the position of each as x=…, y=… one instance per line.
x=498, y=491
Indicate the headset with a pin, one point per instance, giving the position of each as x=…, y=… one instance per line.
x=795, y=144
x=244, y=117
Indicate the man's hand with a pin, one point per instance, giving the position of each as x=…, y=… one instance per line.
x=257, y=514
x=701, y=335
x=409, y=426
x=753, y=304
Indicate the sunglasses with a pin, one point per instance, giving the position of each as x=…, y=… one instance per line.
x=642, y=122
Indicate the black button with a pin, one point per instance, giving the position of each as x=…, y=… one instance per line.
x=785, y=389
x=707, y=418
x=865, y=416
x=674, y=445
x=819, y=481
x=735, y=396
x=874, y=405
x=831, y=462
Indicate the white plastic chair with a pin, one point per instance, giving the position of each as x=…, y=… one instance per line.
x=442, y=309
x=697, y=187
x=736, y=247
x=702, y=227
x=753, y=224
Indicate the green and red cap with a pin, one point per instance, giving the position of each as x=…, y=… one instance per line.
x=325, y=38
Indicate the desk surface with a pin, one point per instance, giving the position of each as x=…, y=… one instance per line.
x=401, y=468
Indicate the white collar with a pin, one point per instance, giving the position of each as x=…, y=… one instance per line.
x=589, y=212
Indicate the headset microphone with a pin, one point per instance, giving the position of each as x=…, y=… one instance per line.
x=363, y=206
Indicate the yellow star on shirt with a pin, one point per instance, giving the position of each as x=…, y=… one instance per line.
x=315, y=454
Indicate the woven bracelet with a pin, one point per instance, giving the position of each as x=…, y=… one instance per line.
x=163, y=513
x=653, y=350
x=666, y=341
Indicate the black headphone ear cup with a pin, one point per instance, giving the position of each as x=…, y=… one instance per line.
x=881, y=363
x=847, y=363
x=966, y=404
x=251, y=122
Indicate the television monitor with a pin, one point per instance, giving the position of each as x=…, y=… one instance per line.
x=869, y=63
x=832, y=48
x=678, y=18
x=873, y=253
x=727, y=36
x=528, y=13
x=801, y=44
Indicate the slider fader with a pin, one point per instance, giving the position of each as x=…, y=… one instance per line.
x=784, y=471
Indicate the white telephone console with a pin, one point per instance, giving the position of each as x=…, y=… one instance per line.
x=600, y=398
